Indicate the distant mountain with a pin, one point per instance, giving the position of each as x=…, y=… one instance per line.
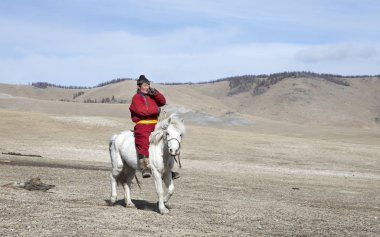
x=261, y=83
x=314, y=100
x=44, y=85
x=293, y=97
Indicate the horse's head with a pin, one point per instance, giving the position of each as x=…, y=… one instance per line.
x=171, y=130
x=173, y=134
x=173, y=139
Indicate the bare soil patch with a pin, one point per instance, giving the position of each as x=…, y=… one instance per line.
x=265, y=179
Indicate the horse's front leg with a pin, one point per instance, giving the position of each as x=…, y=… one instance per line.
x=169, y=186
x=160, y=192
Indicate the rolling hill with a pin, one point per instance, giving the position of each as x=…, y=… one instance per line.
x=293, y=98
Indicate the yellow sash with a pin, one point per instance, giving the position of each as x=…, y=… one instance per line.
x=146, y=122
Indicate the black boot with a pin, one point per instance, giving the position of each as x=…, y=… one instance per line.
x=144, y=166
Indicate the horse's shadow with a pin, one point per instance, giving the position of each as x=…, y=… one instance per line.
x=139, y=204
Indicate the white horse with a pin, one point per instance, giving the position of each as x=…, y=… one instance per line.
x=165, y=144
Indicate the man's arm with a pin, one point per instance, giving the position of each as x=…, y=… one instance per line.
x=157, y=96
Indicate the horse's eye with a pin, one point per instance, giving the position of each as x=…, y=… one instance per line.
x=167, y=134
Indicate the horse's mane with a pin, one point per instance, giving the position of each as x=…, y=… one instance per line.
x=178, y=124
x=162, y=125
x=173, y=120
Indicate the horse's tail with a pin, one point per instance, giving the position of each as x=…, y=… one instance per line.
x=111, y=142
x=112, y=149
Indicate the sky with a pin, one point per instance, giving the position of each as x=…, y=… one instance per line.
x=86, y=42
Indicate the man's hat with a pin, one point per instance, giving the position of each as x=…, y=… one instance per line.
x=142, y=79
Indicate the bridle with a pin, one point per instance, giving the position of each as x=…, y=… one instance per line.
x=179, y=143
x=179, y=150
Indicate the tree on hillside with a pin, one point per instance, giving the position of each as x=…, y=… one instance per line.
x=44, y=85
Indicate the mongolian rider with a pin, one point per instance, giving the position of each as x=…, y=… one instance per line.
x=145, y=109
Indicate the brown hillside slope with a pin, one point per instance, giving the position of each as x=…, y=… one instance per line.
x=121, y=91
x=293, y=100
x=201, y=98
x=28, y=91
x=315, y=101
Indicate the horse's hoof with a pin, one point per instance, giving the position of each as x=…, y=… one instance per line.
x=164, y=211
x=130, y=205
x=112, y=201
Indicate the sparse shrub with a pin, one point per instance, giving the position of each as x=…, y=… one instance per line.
x=113, y=81
x=90, y=101
x=44, y=85
x=107, y=100
x=77, y=94
x=41, y=85
x=259, y=84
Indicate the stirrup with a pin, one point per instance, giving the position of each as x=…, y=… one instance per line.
x=175, y=175
x=146, y=173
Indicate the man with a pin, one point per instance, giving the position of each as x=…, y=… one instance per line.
x=145, y=109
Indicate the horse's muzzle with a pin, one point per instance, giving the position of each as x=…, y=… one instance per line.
x=173, y=152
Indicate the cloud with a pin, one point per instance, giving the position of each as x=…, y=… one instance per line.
x=89, y=42
x=338, y=52
x=181, y=56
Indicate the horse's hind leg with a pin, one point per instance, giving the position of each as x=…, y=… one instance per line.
x=130, y=174
x=114, y=175
x=117, y=168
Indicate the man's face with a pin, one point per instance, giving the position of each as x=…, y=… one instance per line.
x=144, y=88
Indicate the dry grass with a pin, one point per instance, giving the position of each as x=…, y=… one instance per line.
x=274, y=176
x=264, y=179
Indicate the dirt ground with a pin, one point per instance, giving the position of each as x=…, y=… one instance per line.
x=264, y=179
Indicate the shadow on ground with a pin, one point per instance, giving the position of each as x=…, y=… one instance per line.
x=139, y=204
